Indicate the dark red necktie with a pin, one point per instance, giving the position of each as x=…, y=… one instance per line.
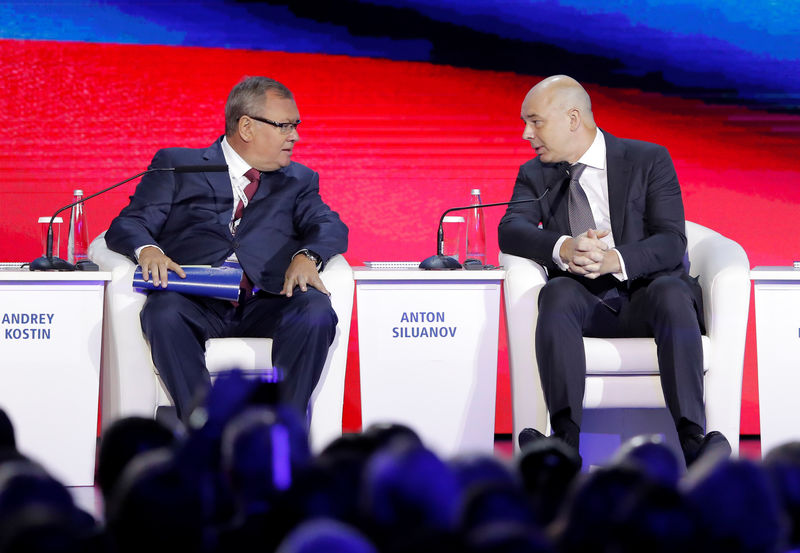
x=253, y=175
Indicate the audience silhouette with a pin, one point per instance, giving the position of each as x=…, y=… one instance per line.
x=241, y=478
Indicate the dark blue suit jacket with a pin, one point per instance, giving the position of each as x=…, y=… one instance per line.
x=187, y=215
x=647, y=218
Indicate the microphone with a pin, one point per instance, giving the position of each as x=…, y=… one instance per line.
x=49, y=263
x=197, y=169
x=441, y=262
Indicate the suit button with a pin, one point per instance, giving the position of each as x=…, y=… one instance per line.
x=235, y=244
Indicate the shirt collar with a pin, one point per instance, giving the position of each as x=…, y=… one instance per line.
x=595, y=156
x=237, y=166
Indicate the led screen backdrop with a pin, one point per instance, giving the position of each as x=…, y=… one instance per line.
x=406, y=106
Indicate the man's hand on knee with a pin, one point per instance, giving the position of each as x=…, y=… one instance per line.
x=155, y=264
x=302, y=272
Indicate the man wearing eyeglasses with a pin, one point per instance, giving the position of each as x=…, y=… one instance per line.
x=265, y=213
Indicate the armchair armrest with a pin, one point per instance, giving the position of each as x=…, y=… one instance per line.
x=724, y=276
x=328, y=398
x=524, y=280
x=129, y=384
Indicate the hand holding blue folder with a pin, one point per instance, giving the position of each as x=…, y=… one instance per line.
x=212, y=282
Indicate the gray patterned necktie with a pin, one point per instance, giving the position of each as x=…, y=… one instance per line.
x=581, y=220
x=580, y=214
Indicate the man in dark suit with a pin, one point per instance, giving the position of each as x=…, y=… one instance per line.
x=612, y=240
x=265, y=212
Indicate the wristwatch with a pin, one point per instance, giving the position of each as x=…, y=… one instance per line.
x=311, y=255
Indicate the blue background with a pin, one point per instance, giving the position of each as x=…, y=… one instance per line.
x=722, y=51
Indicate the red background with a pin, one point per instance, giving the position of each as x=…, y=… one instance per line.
x=395, y=144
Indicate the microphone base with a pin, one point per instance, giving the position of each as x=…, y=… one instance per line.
x=440, y=263
x=45, y=263
x=86, y=265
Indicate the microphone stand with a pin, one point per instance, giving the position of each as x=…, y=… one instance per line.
x=49, y=263
x=440, y=262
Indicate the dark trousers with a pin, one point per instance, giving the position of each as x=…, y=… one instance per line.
x=302, y=328
x=665, y=309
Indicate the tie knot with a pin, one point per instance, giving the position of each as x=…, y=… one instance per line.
x=253, y=175
x=575, y=171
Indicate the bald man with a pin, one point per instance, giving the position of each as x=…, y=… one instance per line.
x=613, y=243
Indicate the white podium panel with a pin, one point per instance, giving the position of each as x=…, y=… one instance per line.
x=777, y=303
x=50, y=335
x=428, y=354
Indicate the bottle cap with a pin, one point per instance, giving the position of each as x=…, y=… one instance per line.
x=475, y=191
x=77, y=193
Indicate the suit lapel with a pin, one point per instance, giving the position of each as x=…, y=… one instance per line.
x=618, y=171
x=220, y=182
x=269, y=183
x=556, y=179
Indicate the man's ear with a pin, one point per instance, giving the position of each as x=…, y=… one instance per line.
x=246, y=129
x=574, y=119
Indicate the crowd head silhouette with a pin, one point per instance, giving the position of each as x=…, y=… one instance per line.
x=241, y=478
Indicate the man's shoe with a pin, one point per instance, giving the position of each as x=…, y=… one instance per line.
x=554, y=443
x=529, y=436
x=713, y=443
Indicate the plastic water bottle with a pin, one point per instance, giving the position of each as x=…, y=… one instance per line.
x=78, y=242
x=476, y=233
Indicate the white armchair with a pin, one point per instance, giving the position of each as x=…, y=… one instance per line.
x=130, y=384
x=623, y=372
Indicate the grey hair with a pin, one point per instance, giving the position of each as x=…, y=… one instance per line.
x=247, y=97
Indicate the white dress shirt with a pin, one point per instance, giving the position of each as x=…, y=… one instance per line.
x=594, y=181
x=237, y=167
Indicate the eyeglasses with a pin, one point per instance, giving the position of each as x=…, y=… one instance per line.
x=283, y=128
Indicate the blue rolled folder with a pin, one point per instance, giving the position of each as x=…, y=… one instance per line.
x=212, y=282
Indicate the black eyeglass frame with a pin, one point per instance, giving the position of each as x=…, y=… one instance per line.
x=284, y=128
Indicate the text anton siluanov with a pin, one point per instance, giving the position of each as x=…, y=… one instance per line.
x=434, y=329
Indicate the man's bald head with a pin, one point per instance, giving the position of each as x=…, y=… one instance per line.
x=558, y=118
x=566, y=93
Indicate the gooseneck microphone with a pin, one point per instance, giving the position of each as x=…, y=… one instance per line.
x=440, y=262
x=49, y=263
x=188, y=169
